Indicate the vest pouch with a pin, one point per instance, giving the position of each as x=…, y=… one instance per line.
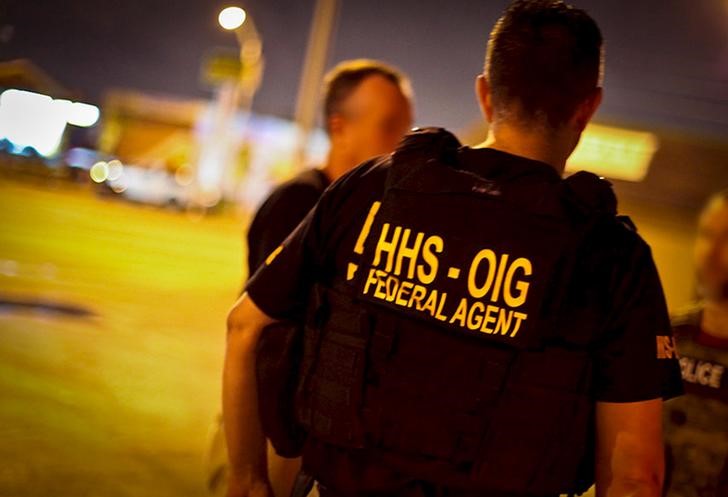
x=537, y=440
x=437, y=435
x=329, y=395
x=433, y=394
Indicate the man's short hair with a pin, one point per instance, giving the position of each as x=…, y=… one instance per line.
x=544, y=57
x=346, y=77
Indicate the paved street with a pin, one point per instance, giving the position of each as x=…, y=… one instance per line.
x=111, y=343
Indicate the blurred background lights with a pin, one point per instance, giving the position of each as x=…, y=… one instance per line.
x=118, y=187
x=616, y=153
x=210, y=197
x=31, y=120
x=183, y=176
x=83, y=115
x=9, y=268
x=115, y=169
x=231, y=17
x=37, y=121
x=99, y=172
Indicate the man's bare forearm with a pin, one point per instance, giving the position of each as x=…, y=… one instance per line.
x=630, y=455
x=629, y=488
x=243, y=432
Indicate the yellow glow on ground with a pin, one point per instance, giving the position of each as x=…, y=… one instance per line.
x=118, y=404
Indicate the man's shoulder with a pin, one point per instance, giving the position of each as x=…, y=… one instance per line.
x=374, y=169
x=615, y=253
x=298, y=193
x=288, y=202
x=364, y=180
x=311, y=182
x=616, y=236
x=623, y=234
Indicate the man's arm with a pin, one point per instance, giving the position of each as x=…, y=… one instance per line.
x=630, y=457
x=243, y=432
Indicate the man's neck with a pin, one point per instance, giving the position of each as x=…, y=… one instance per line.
x=337, y=164
x=534, y=146
x=715, y=319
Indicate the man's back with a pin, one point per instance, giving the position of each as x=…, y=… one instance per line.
x=335, y=253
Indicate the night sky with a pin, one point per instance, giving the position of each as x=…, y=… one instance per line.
x=667, y=61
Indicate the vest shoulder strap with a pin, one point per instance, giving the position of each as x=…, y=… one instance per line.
x=590, y=194
x=433, y=142
x=418, y=149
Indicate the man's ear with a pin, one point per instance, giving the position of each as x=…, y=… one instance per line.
x=482, y=92
x=335, y=125
x=587, y=109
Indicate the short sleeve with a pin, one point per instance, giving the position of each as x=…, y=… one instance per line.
x=276, y=219
x=636, y=358
x=281, y=285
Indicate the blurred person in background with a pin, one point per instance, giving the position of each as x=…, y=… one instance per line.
x=367, y=109
x=696, y=425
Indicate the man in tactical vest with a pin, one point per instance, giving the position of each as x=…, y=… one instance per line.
x=474, y=323
x=696, y=425
x=367, y=109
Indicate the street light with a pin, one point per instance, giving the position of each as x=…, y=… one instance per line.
x=234, y=92
x=249, y=43
x=231, y=18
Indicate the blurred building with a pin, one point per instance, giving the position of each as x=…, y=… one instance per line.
x=24, y=75
x=150, y=131
x=167, y=134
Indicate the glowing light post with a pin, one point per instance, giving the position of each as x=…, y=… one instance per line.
x=251, y=53
x=218, y=151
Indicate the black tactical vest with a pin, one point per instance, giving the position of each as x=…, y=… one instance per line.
x=449, y=348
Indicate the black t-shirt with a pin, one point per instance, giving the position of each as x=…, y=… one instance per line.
x=281, y=212
x=633, y=357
